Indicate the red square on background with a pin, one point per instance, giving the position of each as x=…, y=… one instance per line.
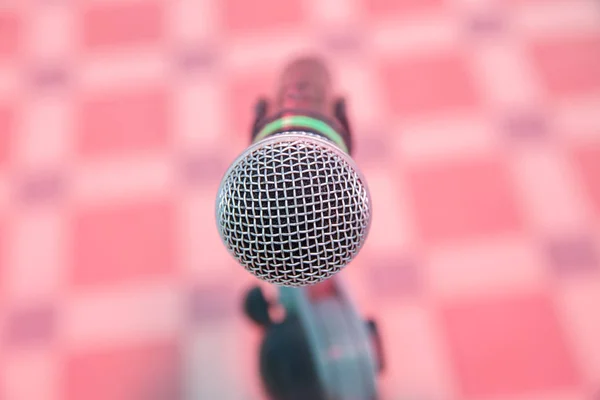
x=424, y=83
x=114, y=243
x=9, y=33
x=569, y=65
x=241, y=16
x=124, y=120
x=587, y=162
x=108, y=24
x=508, y=346
x=463, y=199
x=6, y=133
x=384, y=8
x=146, y=371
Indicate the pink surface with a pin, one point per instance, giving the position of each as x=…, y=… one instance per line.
x=476, y=123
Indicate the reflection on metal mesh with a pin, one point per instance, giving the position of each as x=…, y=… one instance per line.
x=293, y=209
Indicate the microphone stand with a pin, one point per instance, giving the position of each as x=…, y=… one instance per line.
x=345, y=349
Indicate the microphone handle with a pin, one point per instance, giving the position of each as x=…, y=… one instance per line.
x=304, y=100
x=305, y=84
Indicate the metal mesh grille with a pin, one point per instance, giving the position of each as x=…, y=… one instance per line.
x=293, y=210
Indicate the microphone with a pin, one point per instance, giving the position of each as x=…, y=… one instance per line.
x=293, y=208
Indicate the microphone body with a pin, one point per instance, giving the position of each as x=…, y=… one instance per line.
x=294, y=209
x=305, y=90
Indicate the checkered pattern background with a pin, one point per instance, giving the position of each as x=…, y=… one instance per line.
x=477, y=124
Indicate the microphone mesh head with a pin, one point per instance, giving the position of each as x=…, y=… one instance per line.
x=293, y=209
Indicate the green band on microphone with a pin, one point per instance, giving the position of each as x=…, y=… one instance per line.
x=299, y=122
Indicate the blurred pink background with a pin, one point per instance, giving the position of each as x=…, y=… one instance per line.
x=477, y=124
